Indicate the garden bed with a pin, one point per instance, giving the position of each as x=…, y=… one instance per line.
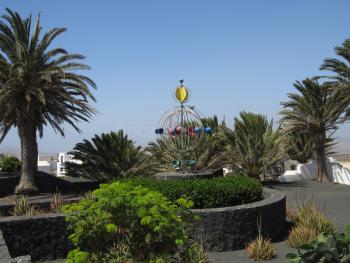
x=44, y=237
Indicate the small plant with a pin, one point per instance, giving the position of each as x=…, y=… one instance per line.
x=24, y=208
x=309, y=216
x=260, y=248
x=127, y=223
x=195, y=253
x=290, y=214
x=56, y=203
x=300, y=235
x=326, y=249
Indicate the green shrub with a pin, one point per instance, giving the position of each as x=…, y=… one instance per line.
x=123, y=223
x=326, y=249
x=10, y=164
x=207, y=193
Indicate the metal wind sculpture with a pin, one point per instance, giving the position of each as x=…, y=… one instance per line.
x=182, y=131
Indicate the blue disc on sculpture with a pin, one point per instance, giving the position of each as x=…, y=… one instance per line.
x=157, y=131
x=197, y=130
x=208, y=130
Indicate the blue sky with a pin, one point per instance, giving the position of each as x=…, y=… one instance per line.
x=234, y=55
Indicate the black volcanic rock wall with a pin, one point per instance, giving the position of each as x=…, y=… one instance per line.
x=231, y=228
x=42, y=237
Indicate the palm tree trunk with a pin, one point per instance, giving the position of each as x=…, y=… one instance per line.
x=29, y=156
x=321, y=158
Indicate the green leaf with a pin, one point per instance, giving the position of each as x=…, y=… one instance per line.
x=321, y=238
x=309, y=256
x=322, y=247
x=331, y=242
x=347, y=230
x=293, y=258
x=307, y=247
x=345, y=259
x=111, y=228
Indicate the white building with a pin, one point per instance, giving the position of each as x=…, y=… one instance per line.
x=47, y=164
x=62, y=159
x=308, y=171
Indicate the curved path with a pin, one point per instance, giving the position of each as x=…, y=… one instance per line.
x=332, y=199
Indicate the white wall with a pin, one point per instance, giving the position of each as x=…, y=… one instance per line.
x=308, y=171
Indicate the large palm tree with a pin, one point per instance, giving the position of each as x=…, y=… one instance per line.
x=253, y=145
x=341, y=66
x=316, y=110
x=107, y=156
x=299, y=146
x=37, y=88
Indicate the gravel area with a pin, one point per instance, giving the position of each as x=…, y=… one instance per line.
x=331, y=198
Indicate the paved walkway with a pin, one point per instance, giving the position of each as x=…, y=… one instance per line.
x=332, y=199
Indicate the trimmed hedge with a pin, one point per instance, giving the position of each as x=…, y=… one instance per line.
x=207, y=193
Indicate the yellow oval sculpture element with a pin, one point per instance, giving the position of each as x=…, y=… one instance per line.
x=181, y=94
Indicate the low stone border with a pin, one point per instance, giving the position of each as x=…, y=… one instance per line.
x=48, y=183
x=231, y=228
x=7, y=207
x=185, y=176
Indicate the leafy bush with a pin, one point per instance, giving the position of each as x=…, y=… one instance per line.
x=260, y=249
x=309, y=216
x=124, y=223
x=10, y=164
x=326, y=249
x=300, y=235
x=207, y=193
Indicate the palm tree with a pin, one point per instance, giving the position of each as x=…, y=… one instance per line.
x=341, y=67
x=316, y=110
x=213, y=155
x=108, y=156
x=299, y=146
x=37, y=88
x=253, y=145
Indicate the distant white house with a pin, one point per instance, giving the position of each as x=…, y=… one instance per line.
x=61, y=163
x=308, y=171
x=46, y=163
